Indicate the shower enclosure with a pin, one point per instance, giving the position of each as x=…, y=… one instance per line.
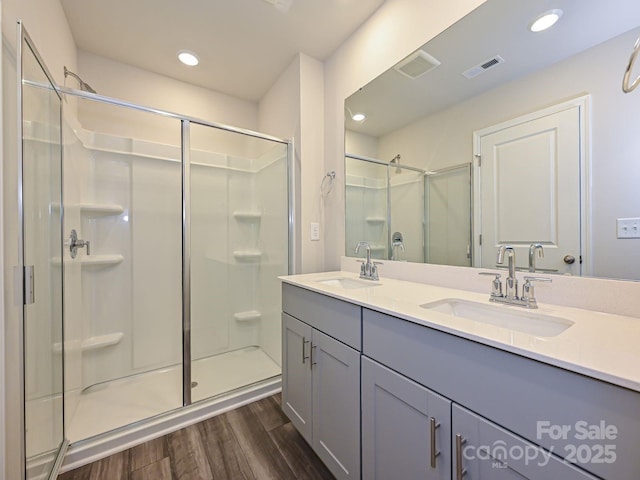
x=164, y=237
x=385, y=208
x=408, y=214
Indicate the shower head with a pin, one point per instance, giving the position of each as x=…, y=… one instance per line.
x=83, y=85
x=396, y=160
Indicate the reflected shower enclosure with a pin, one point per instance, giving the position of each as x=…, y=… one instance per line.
x=177, y=298
x=408, y=214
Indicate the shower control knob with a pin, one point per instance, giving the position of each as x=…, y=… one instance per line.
x=569, y=259
x=75, y=243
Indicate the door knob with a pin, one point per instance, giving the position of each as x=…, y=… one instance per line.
x=569, y=259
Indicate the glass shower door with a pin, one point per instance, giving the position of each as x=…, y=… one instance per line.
x=238, y=247
x=42, y=253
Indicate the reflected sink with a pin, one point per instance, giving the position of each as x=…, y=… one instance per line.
x=348, y=283
x=537, y=324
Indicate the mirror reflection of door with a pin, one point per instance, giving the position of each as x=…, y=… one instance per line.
x=42, y=251
x=529, y=189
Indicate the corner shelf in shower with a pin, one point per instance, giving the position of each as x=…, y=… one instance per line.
x=248, y=256
x=91, y=260
x=92, y=343
x=100, y=209
x=248, y=316
x=101, y=260
x=247, y=216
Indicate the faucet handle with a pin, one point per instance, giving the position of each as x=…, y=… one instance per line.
x=527, y=288
x=496, y=285
x=529, y=278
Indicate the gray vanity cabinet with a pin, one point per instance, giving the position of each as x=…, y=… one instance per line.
x=484, y=451
x=406, y=428
x=321, y=376
x=296, y=375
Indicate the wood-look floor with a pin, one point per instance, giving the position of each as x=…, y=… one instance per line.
x=254, y=442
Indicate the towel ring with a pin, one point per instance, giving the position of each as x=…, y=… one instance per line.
x=626, y=86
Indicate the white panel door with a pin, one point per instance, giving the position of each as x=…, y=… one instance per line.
x=529, y=190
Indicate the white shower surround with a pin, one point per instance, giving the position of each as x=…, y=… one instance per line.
x=135, y=302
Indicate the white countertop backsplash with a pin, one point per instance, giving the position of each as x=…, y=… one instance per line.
x=618, y=297
x=602, y=343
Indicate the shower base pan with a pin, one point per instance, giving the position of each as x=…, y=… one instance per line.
x=122, y=402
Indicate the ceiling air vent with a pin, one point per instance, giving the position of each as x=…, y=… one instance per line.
x=484, y=66
x=416, y=64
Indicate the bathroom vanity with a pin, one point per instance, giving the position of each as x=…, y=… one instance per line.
x=394, y=379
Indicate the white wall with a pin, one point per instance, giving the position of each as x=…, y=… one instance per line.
x=293, y=109
x=396, y=29
x=445, y=139
x=141, y=87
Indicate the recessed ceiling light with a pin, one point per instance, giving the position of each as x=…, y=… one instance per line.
x=546, y=20
x=358, y=117
x=188, y=58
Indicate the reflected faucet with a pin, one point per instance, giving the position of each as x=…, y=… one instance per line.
x=532, y=255
x=511, y=282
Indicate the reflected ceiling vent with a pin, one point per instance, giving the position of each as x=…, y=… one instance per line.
x=484, y=66
x=416, y=64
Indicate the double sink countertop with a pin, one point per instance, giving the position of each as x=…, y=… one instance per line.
x=595, y=344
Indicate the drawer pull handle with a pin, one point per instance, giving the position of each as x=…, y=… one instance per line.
x=460, y=472
x=313, y=347
x=434, y=451
x=304, y=342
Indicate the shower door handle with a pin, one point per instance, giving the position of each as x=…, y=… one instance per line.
x=75, y=243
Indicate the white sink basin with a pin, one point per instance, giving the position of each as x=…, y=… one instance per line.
x=348, y=283
x=537, y=324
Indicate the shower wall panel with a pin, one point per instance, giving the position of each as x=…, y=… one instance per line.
x=407, y=212
x=273, y=241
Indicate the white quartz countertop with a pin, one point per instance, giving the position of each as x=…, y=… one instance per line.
x=598, y=345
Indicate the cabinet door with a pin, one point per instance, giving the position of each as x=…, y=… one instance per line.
x=336, y=405
x=397, y=427
x=484, y=451
x=296, y=374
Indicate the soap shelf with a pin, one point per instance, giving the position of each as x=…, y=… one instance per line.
x=247, y=216
x=91, y=260
x=247, y=255
x=101, y=260
x=376, y=220
x=248, y=316
x=100, y=209
x=91, y=343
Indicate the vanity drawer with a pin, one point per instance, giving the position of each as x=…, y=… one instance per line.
x=338, y=319
x=529, y=398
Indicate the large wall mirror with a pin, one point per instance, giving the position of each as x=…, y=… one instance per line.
x=493, y=134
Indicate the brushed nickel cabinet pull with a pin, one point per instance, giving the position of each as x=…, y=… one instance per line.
x=460, y=472
x=434, y=451
x=313, y=347
x=304, y=342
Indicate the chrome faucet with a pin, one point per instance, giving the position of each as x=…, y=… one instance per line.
x=368, y=269
x=532, y=255
x=511, y=283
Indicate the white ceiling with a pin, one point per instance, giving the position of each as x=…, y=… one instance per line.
x=243, y=45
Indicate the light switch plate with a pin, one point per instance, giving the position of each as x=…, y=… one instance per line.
x=315, y=231
x=628, y=227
